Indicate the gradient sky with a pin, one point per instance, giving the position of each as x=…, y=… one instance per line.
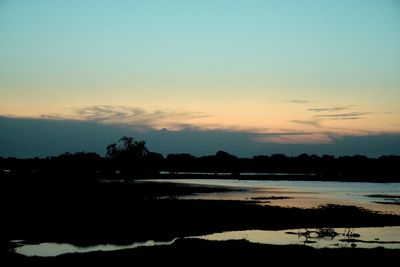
x=289, y=72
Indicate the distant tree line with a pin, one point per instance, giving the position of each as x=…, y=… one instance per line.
x=131, y=159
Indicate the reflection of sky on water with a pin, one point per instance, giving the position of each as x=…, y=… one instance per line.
x=371, y=237
x=55, y=249
x=303, y=194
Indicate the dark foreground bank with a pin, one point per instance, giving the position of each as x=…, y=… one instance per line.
x=118, y=213
x=189, y=252
x=125, y=213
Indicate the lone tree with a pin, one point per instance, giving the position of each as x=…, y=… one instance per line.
x=127, y=148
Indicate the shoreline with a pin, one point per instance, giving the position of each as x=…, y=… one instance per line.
x=197, y=251
x=281, y=177
x=163, y=220
x=124, y=213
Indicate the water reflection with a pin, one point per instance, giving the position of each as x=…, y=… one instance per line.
x=55, y=249
x=301, y=194
x=371, y=237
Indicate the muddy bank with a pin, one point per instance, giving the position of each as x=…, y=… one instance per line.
x=189, y=252
x=155, y=219
x=125, y=213
x=119, y=213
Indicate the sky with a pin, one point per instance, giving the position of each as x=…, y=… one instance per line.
x=248, y=76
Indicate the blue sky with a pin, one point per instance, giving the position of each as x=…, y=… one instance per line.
x=285, y=72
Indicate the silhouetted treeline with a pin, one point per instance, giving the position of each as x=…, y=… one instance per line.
x=86, y=167
x=130, y=159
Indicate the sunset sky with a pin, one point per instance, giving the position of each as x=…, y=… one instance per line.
x=300, y=74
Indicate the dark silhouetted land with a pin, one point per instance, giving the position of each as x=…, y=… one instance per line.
x=189, y=252
x=85, y=199
x=88, y=167
x=120, y=213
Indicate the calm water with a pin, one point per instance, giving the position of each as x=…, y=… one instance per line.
x=55, y=249
x=303, y=194
x=289, y=193
x=371, y=237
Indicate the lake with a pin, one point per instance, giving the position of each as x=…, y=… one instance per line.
x=368, y=237
x=302, y=194
x=382, y=197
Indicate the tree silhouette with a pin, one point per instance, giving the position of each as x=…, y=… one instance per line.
x=127, y=148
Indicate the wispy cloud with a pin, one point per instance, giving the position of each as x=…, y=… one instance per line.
x=311, y=122
x=343, y=116
x=311, y=130
x=295, y=138
x=329, y=109
x=334, y=113
x=299, y=101
x=138, y=117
